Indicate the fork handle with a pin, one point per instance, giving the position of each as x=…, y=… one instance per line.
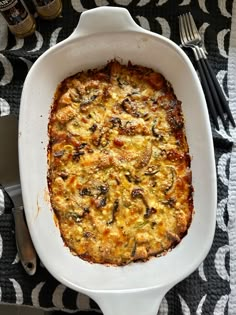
x=214, y=94
x=219, y=91
x=207, y=93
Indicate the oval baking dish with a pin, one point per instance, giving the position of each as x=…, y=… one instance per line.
x=103, y=34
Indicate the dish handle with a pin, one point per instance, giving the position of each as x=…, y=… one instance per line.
x=103, y=20
x=131, y=303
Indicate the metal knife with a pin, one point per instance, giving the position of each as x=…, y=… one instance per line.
x=10, y=180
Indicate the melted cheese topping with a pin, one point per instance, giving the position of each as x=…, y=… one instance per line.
x=119, y=176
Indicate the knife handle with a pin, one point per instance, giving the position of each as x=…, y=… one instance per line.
x=25, y=247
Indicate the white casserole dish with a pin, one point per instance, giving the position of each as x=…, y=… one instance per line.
x=101, y=35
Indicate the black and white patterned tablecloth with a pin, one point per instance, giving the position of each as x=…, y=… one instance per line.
x=211, y=289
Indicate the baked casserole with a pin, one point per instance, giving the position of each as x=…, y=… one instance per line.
x=119, y=172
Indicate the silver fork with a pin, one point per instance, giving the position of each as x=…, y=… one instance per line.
x=189, y=41
x=190, y=38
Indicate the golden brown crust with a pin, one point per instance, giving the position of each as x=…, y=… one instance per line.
x=119, y=167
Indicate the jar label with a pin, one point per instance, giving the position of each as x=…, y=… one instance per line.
x=19, y=20
x=47, y=8
x=23, y=27
x=7, y=4
x=15, y=13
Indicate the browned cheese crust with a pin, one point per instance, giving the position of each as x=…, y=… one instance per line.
x=118, y=164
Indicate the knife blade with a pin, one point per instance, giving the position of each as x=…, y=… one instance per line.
x=10, y=180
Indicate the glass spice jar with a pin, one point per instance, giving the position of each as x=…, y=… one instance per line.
x=19, y=20
x=48, y=9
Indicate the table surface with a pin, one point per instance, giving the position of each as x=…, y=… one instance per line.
x=211, y=289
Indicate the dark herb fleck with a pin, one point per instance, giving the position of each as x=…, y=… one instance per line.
x=151, y=170
x=134, y=249
x=74, y=216
x=172, y=180
x=115, y=121
x=149, y=212
x=137, y=193
x=155, y=131
x=103, y=189
x=114, y=210
x=82, y=145
x=101, y=202
x=87, y=234
x=169, y=202
x=76, y=155
x=132, y=178
x=129, y=107
x=59, y=153
x=64, y=175
x=88, y=101
x=93, y=127
x=85, y=192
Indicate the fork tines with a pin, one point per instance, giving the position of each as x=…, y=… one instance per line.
x=190, y=38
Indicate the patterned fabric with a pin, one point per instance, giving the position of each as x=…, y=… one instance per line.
x=211, y=289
